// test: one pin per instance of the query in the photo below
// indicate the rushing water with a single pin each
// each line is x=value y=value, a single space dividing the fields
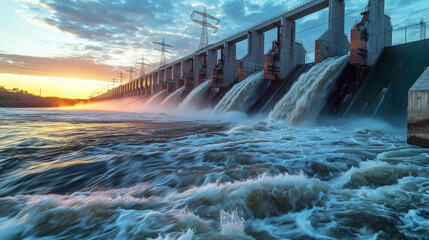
x=106 y=175
x=156 y=99
x=242 y=95
x=307 y=96
x=193 y=100
x=172 y=100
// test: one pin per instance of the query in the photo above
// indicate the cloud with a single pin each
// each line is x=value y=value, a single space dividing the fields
x=117 y=32
x=67 y=67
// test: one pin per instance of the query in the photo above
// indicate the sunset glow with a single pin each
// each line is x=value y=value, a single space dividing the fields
x=95 y=40
x=54 y=86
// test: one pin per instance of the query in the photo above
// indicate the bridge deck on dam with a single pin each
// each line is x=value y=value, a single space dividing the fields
x=297 y=12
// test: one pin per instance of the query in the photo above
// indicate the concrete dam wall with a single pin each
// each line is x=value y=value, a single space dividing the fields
x=384 y=92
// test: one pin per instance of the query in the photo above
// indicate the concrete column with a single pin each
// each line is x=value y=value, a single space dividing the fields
x=154 y=82
x=333 y=42
x=211 y=62
x=176 y=71
x=300 y=54
x=379 y=30
x=198 y=63
x=255 y=47
x=161 y=77
x=169 y=73
x=141 y=85
x=150 y=84
x=287 y=47
x=230 y=66
x=186 y=65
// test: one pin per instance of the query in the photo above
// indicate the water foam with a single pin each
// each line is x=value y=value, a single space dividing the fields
x=193 y=100
x=231 y=223
x=307 y=96
x=172 y=100
x=155 y=100
x=241 y=96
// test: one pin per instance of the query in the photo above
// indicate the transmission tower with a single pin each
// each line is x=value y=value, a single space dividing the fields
x=114 y=82
x=131 y=70
x=162 y=50
x=422 y=29
x=142 y=64
x=121 y=76
x=204 y=41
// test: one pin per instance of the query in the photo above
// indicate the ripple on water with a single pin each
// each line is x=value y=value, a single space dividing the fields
x=86 y=175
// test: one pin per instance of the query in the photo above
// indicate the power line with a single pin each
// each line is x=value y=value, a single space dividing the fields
x=131 y=71
x=162 y=50
x=176 y=39
x=121 y=76
x=205 y=24
x=142 y=64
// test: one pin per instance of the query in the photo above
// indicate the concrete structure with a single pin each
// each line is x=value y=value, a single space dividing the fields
x=371 y=35
x=333 y=42
x=379 y=30
x=418 y=112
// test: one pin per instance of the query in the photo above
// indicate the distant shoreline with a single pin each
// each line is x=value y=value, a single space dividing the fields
x=19 y=100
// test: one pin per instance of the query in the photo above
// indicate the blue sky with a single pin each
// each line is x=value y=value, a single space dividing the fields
x=101 y=37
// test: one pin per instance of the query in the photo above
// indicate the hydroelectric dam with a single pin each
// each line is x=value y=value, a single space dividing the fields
x=364 y=76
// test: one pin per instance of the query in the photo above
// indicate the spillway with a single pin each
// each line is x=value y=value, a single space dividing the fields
x=193 y=100
x=242 y=96
x=156 y=99
x=307 y=96
x=172 y=100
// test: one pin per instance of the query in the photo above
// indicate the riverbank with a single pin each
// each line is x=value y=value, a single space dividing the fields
x=19 y=100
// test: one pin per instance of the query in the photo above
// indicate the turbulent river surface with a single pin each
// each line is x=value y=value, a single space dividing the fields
x=107 y=175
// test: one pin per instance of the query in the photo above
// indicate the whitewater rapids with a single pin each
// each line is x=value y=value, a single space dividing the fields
x=194 y=99
x=306 y=98
x=242 y=95
x=173 y=100
x=106 y=175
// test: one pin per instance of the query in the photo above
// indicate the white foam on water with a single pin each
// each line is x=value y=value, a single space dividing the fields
x=172 y=100
x=231 y=223
x=241 y=96
x=155 y=100
x=307 y=96
x=193 y=100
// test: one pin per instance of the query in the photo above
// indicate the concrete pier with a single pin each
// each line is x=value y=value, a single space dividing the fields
x=333 y=42
x=255 y=53
x=230 y=66
x=379 y=30
x=418 y=112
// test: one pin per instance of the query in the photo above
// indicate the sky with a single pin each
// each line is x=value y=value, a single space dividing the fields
x=72 y=48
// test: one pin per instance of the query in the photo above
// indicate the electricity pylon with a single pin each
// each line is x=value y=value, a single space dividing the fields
x=204 y=41
x=142 y=64
x=114 y=82
x=131 y=70
x=162 y=50
x=121 y=76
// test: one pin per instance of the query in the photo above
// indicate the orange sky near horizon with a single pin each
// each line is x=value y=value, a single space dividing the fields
x=53 y=86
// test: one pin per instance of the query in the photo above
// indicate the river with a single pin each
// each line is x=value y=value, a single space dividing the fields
x=67 y=174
